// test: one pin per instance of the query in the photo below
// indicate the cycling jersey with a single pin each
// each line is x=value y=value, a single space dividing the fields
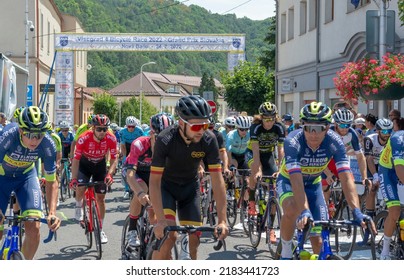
x=82 y=128
x=177 y=161
x=267 y=139
x=235 y=144
x=373 y=147
x=66 y=143
x=350 y=140
x=140 y=155
x=127 y=137
x=17 y=160
x=93 y=150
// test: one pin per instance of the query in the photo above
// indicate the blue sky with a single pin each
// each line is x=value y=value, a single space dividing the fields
x=253 y=9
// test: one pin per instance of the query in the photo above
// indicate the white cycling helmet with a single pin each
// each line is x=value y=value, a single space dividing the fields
x=63 y=125
x=230 y=121
x=343 y=116
x=384 y=124
x=113 y=126
x=131 y=121
x=243 y=122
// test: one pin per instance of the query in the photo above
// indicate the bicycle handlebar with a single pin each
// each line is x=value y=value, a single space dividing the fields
x=19 y=218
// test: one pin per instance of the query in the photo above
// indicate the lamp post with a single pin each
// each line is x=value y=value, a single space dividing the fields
x=141 y=89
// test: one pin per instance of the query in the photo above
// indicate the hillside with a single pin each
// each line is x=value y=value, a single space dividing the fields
x=158 y=16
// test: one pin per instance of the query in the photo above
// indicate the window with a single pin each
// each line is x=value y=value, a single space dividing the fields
x=303 y=17
x=173 y=89
x=283 y=28
x=291 y=23
x=328 y=11
x=312 y=14
x=41 y=31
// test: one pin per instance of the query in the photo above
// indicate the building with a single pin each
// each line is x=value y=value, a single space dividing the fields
x=314 y=39
x=163 y=90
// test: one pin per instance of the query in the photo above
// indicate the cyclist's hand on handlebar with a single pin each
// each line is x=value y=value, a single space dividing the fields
x=362 y=219
x=224 y=231
x=73 y=184
x=53 y=222
x=108 y=179
x=302 y=219
x=159 y=229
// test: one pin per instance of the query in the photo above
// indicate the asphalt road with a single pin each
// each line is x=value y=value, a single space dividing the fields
x=71 y=241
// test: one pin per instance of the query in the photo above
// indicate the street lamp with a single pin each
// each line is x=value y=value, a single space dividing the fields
x=141 y=89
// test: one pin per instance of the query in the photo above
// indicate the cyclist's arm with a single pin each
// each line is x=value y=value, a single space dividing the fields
x=400 y=172
x=123 y=148
x=371 y=164
x=349 y=189
x=256 y=154
x=155 y=195
x=72 y=146
x=281 y=154
x=299 y=195
x=362 y=165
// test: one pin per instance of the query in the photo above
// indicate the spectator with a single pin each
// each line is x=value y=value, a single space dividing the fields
x=370 y=123
x=394 y=114
x=3 y=120
x=287 y=120
x=398 y=124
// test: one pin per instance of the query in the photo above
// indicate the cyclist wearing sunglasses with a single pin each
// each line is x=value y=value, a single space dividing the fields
x=67 y=137
x=89 y=161
x=391 y=173
x=307 y=153
x=374 y=145
x=136 y=172
x=229 y=125
x=174 y=180
x=266 y=134
x=20 y=148
x=236 y=143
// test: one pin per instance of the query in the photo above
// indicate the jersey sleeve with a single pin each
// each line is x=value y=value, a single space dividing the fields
x=397 y=149
x=112 y=145
x=160 y=153
x=212 y=152
x=355 y=141
x=368 y=144
x=338 y=152
x=291 y=159
x=137 y=149
x=48 y=155
x=78 y=152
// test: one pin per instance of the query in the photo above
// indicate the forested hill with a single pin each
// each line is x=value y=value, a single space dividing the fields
x=158 y=16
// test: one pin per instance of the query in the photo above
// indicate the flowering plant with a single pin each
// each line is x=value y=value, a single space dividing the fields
x=368 y=77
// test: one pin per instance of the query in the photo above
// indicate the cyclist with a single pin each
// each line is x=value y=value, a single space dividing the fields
x=89 y=161
x=174 y=173
x=127 y=135
x=265 y=135
x=229 y=125
x=136 y=172
x=391 y=173
x=20 y=148
x=67 y=138
x=236 y=143
x=222 y=148
x=307 y=153
x=374 y=144
x=287 y=120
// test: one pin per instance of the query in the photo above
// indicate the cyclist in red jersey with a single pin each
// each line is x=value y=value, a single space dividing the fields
x=89 y=161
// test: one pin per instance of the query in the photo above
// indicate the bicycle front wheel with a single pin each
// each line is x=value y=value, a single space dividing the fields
x=254 y=229
x=63 y=185
x=273 y=224
x=97 y=229
x=17 y=256
x=86 y=224
x=231 y=209
x=124 y=241
x=345 y=237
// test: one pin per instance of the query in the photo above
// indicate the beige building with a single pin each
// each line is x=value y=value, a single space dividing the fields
x=314 y=39
x=27 y=28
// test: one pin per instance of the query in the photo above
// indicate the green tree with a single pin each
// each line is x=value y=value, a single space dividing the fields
x=208 y=84
x=247 y=87
x=401 y=11
x=105 y=104
x=131 y=107
x=267 y=58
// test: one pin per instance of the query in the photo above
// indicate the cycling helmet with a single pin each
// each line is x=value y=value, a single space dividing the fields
x=230 y=121
x=287 y=117
x=267 y=109
x=316 y=112
x=90 y=119
x=17 y=112
x=33 y=119
x=144 y=127
x=114 y=126
x=359 y=121
x=131 y=121
x=63 y=124
x=243 y=122
x=101 y=120
x=193 y=107
x=159 y=122
x=218 y=125
x=384 y=124
x=343 y=116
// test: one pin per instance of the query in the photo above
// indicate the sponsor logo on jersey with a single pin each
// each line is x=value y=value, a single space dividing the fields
x=198 y=154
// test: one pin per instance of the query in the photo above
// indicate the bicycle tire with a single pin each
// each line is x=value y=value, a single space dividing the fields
x=335 y=257
x=395 y=248
x=124 y=242
x=86 y=224
x=244 y=215
x=97 y=229
x=345 y=238
x=231 y=210
x=276 y=225
x=17 y=256
x=62 y=185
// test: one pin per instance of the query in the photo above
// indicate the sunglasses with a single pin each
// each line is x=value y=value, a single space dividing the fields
x=317 y=128
x=103 y=129
x=344 y=125
x=130 y=126
x=33 y=135
x=386 y=131
x=268 y=119
x=65 y=130
x=195 y=127
x=243 y=129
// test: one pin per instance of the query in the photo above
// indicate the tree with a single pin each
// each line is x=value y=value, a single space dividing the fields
x=208 y=84
x=131 y=107
x=267 y=58
x=248 y=87
x=401 y=11
x=105 y=104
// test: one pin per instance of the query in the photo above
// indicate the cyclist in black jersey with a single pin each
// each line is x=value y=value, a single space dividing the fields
x=174 y=182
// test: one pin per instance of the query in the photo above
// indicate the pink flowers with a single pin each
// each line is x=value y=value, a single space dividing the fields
x=368 y=77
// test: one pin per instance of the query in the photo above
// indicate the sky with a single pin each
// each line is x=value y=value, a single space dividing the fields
x=253 y=9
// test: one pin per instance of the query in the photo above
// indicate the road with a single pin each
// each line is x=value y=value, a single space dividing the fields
x=71 y=241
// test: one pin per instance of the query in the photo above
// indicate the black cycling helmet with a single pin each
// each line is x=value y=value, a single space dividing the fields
x=33 y=119
x=101 y=120
x=193 y=107
x=316 y=112
x=159 y=122
x=268 y=109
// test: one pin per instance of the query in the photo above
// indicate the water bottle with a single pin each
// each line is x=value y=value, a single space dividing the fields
x=402 y=229
x=305 y=255
x=184 y=248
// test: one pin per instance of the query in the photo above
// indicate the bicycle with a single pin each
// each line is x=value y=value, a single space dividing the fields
x=326 y=251
x=207 y=202
x=64 y=189
x=396 y=244
x=241 y=195
x=183 y=254
x=92 y=220
x=269 y=212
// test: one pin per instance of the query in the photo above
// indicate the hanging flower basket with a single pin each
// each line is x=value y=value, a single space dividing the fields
x=367 y=80
x=393 y=92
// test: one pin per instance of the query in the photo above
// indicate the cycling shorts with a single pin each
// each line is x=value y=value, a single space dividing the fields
x=389 y=186
x=96 y=170
x=268 y=163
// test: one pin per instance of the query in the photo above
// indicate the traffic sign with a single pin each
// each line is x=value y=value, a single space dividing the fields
x=212 y=105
